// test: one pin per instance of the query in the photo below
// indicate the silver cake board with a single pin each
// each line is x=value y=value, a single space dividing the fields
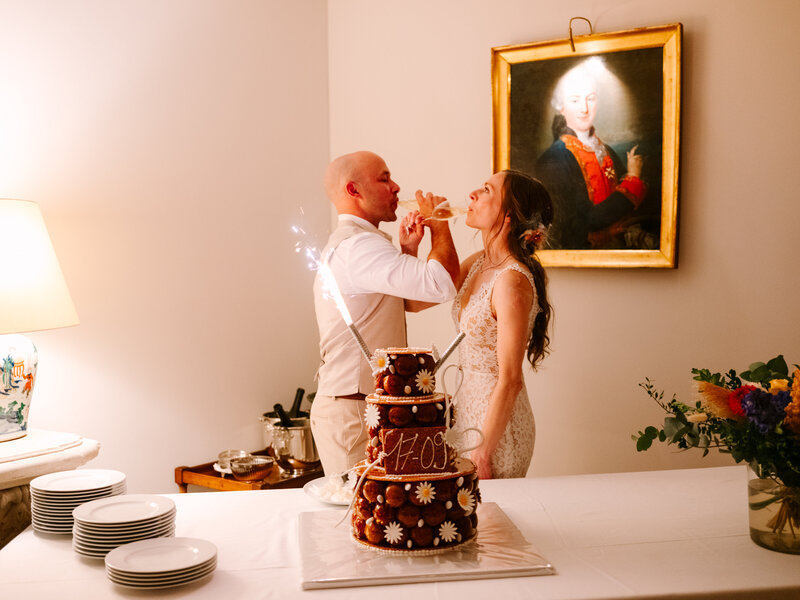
x=331 y=558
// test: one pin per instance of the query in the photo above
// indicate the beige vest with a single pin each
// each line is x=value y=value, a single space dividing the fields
x=380 y=319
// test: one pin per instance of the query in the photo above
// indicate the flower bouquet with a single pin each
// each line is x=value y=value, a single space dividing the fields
x=757 y=422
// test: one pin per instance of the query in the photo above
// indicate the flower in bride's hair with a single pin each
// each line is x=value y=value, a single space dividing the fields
x=534 y=237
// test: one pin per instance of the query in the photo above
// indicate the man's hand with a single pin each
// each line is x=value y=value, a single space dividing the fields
x=635 y=162
x=412 y=229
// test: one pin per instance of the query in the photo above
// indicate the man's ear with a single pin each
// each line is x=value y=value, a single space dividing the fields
x=351 y=188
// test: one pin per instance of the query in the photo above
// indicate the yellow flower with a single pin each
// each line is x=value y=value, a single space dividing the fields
x=796 y=385
x=792 y=421
x=778 y=385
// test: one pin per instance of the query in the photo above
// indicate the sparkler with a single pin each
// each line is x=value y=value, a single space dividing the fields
x=461 y=335
x=330 y=285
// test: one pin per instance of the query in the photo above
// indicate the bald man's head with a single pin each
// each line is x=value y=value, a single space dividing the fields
x=360 y=184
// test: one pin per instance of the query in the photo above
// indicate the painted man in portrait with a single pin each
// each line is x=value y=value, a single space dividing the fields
x=595 y=194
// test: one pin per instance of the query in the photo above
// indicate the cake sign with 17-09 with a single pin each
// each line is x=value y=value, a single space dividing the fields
x=415 y=450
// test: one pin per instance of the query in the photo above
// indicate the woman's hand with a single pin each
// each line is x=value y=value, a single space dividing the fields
x=635 y=163
x=483 y=461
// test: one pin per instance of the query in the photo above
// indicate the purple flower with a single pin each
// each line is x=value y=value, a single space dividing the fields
x=765 y=410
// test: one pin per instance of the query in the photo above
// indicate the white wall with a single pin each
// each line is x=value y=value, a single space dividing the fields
x=412 y=81
x=170 y=146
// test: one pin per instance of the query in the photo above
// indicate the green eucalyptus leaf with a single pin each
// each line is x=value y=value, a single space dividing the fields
x=671 y=426
x=643 y=443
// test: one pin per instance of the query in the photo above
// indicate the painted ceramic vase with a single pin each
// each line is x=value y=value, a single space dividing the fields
x=18 y=363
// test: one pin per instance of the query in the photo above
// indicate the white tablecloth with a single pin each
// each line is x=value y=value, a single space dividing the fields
x=676 y=534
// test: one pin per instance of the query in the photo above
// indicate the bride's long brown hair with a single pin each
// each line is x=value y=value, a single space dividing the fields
x=529 y=208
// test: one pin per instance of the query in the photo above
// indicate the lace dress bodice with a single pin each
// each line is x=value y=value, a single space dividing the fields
x=478 y=351
x=478 y=359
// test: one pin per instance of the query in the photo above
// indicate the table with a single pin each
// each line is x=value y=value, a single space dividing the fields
x=660 y=534
x=206 y=476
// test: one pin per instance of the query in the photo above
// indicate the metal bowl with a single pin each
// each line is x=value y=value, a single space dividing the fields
x=252 y=468
x=225 y=457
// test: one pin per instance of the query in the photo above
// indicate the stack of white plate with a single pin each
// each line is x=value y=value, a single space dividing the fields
x=102 y=525
x=54 y=496
x=161 y=563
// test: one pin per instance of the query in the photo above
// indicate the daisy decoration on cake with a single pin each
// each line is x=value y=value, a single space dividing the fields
x=425 y=381
x=448 y=531
x=466 y=500
x=393 y=532
x=378 y=362
x=425 y=492
x=372 y=416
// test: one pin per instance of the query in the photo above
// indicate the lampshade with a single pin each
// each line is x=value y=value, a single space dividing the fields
x=33 y=293
x=33 y=296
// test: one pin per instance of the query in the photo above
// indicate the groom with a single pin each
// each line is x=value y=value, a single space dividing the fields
x=379 y=283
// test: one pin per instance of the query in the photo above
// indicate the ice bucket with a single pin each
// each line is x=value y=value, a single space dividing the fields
x=301 y=443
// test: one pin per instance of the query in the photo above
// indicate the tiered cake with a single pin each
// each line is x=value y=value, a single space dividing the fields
x=419 y=496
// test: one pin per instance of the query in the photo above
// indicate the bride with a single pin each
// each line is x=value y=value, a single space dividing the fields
x=502 y=308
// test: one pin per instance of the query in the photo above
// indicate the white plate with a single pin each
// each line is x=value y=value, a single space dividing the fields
x=315 y=489
x=66 y=530
x=160 y=555
x=161 y=577
x=105 y=548
x=111 y=528
x=66 y=498
x=123 y=538
x=77 y=480
x=47 y=519
x=161 y=586
x=168 y=530
x=127 y=508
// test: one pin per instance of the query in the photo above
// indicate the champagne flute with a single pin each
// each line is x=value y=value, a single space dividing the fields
x=441 y=212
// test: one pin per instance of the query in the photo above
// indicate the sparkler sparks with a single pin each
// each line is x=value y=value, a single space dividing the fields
x=329 y=285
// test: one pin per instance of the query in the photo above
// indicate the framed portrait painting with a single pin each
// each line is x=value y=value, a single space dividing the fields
x=599 y=126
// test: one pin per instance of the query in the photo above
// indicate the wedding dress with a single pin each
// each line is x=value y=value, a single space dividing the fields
x=478 y=359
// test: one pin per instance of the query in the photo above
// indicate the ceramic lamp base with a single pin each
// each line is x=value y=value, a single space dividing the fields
x=18 y=363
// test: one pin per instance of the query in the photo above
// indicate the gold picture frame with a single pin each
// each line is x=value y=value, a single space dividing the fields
x=638 y=73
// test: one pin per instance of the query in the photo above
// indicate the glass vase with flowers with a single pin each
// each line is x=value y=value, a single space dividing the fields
x=755 y=417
